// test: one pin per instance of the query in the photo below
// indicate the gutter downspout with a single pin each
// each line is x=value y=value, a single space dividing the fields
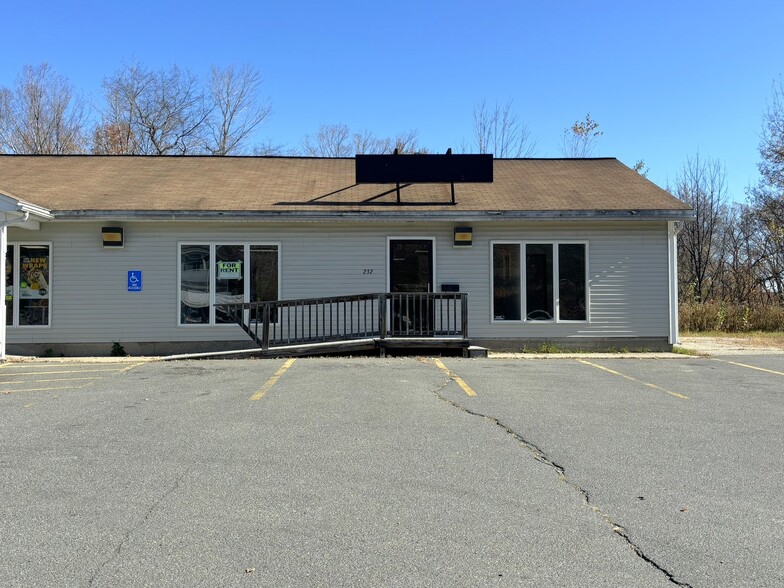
x=673 y=228
x=3 y=250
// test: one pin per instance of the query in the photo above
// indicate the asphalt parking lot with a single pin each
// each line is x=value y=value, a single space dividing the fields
x=393 y=472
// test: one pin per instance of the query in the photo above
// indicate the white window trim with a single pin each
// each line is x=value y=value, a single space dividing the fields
x=556 y=277
x=556 y=282
x=15 y=278
x=180 y=245
x=521 y=270
x=246 y=292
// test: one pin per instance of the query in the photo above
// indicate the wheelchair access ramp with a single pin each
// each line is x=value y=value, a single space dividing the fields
x=343 y=324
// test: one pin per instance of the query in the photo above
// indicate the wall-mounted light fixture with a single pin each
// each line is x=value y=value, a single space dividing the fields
x=463 y=236
x=112 y=236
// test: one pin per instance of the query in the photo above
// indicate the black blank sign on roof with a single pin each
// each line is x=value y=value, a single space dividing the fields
x=423 y=169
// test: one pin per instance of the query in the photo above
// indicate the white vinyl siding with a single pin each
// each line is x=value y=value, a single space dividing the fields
x=627 y=274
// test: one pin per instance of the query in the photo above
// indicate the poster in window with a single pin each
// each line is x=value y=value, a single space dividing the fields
x=34 y=276
x=9 y=285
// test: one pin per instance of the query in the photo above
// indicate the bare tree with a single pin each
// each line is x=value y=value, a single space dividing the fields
x=330 y=141
x=338 y=140
x=119 y=132
x=236 y=108
x=641 y=168
x=408 y=142
x=268 y=148
x=580 y=139
x=753 y=262
x=154 y=113
x=41 y=114
x=499 y=131
x=769 y=193
x=113 y=139
x=701 y=184
x=767 y=196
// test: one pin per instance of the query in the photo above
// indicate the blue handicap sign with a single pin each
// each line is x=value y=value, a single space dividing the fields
x=134 y=280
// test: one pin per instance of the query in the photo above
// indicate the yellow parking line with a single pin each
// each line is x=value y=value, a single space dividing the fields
x=453 y=376
x=271 y=382
x=45 y=389
x=75 y=371
x=648 y=384
x=135 y=365
x=51 y=380
x=53 y=364
x=751 y=367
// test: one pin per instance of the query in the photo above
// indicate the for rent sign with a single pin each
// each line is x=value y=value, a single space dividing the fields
x=229 y=270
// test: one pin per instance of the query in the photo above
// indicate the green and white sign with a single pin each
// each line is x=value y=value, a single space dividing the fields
x=229 y=270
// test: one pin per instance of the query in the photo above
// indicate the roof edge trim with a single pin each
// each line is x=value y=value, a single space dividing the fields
x=8 y=201
x=375 y=216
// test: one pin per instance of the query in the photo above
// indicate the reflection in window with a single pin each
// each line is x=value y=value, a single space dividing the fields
x=571 y=282
x=264 y=275
x=225 y=274
x=539 y=282
x=195 y=284
x=229 y=278
x=506 y=282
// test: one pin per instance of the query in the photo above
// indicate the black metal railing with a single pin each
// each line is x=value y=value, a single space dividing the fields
x=277 y=323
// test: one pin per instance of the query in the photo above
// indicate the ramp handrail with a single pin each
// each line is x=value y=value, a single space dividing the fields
x=381 y=315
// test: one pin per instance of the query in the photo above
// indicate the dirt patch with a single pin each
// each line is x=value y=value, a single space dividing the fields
x=732 y=345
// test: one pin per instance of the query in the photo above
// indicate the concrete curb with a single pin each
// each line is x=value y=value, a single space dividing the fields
x=643 y=355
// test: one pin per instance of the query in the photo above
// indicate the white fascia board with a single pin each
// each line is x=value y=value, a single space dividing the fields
x=10 y=203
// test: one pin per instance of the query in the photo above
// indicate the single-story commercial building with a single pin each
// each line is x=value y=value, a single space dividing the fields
x=159 y=254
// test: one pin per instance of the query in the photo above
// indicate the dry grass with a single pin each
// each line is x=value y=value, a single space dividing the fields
x=722 y=318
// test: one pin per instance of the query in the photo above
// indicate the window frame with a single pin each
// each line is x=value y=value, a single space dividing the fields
x=246 y=245
x=523 y=244
x=521 y=271
x=15 y=280
x=557 y=279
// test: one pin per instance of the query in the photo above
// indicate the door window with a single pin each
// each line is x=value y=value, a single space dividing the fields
x=411 y=266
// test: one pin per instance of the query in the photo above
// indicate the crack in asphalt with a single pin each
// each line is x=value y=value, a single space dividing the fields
x=540 y=456
x=127 y=535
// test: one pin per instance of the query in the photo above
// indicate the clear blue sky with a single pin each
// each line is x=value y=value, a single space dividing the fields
x=664 y=79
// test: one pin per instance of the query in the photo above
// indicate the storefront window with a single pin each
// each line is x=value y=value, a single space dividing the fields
x=28 y=285
x=9 y=285
x=195 y=284
x=571 y=282
x=506 y=282
x=214 y=274
x=229 y=278
x=264 y=275
x=539 y=282
x=554 y=277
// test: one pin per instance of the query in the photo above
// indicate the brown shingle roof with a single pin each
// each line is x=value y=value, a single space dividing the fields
x=285 y=184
